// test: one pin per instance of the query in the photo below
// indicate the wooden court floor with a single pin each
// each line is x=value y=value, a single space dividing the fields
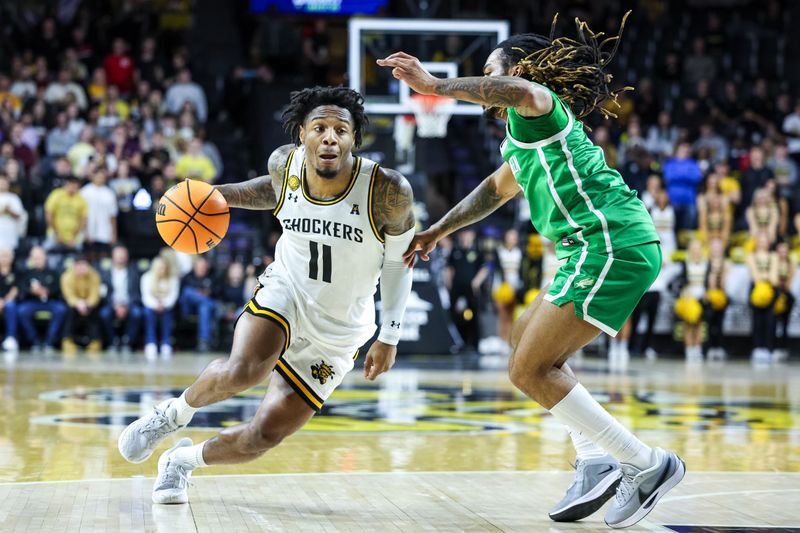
x=422 y=450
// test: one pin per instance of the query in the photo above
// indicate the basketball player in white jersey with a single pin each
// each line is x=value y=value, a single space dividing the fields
x=346 y=223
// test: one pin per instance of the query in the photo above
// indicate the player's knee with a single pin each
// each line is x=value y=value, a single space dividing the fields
x=523 y=373
x=268 y=436
x=243 y=375
x=515 y=373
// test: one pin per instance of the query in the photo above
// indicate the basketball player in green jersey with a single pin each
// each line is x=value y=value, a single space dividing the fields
x=542 y=87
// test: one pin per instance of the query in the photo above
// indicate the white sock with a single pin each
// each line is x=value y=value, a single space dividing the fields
x=584 y=448
x=623 y=344
x=183 y=411
x=581 y=413
x=190 y=456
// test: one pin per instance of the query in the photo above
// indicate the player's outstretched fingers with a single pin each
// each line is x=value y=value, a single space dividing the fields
x=369 y=366
x=409 y=256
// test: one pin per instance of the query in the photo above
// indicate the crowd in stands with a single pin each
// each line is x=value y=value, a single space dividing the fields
x=93 y=130
x=712 y=148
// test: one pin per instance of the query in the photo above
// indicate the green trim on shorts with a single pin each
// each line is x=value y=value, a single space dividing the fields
x=605 y=289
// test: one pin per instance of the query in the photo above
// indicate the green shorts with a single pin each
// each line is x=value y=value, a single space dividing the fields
x=606 y=289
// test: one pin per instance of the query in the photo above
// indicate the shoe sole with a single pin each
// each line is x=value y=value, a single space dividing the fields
x=591 y=502
x=651 y=502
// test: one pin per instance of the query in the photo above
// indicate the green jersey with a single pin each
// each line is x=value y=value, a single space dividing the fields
x=575 y=198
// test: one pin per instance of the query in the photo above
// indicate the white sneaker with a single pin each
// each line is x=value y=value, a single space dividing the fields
x=10 y=344
x=761 y=357
x=640 y=490
x=172 y=483
x=166 y=351
x=139 y=439
x=717 y=354
x=613 y=356
x=651 y=354
x=623 y=357
x=150 y=351
x=691 y=355
x=780 y=356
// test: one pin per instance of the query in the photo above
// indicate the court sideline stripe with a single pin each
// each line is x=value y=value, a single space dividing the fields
x=422 y=473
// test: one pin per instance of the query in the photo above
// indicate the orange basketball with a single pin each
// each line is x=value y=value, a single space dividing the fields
x=192 y=217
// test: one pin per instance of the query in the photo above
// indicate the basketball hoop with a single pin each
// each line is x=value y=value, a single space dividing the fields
x=432 y=113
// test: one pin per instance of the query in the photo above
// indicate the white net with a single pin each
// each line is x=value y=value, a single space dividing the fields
x=432 y=113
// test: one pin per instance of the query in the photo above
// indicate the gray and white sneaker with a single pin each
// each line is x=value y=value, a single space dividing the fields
x=595 y=482
x=172 y=483
x=138 y=441
x=639 y=490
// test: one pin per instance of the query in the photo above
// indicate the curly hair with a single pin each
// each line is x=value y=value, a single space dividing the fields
x=301 y=103
x=573 y=69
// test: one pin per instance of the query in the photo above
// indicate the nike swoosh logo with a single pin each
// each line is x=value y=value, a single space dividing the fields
x=607 y=470
x=651 y=497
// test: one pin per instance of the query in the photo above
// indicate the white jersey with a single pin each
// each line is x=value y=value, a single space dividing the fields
x=510 y=261
x=696 y=277
x=664 y=221
x=330 y=250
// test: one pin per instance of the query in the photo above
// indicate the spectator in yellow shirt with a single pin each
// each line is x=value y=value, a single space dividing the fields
x=66 y=212
x=80 y=288
x=195 y=164
x=112 y=100
x=7 y=98
x=728 y=185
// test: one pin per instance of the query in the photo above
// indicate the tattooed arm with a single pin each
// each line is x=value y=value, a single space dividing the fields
x=529 y=99
x=494 y=191
x=393 y=203
x=526 y=98
x=261 y=192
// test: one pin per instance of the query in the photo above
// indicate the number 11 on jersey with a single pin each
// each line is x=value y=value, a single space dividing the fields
x=313 y=263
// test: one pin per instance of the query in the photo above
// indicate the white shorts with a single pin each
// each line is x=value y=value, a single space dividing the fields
x=319 y=350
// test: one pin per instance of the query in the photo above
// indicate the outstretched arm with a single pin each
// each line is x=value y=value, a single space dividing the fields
x=527 y=98
x=494 y=191
x=394 y=217
x=261 y=192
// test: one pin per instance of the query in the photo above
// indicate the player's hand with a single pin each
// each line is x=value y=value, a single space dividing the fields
x=380 y=358
x=423 y=242
x=407 y=68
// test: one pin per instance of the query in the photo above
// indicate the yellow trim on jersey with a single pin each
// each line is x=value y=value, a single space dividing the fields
x=252 y=308
x=356 y=354
x=285 y=181
x=369 y=201
x=299 y=386
x=356 y=170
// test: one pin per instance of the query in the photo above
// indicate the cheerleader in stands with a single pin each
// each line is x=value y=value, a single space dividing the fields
x=716 y=299
x=688 y=306
x=786 y=267
x=762 y=264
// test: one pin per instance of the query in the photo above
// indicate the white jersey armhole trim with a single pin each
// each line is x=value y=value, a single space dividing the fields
x=544 y=142
x=372 y=225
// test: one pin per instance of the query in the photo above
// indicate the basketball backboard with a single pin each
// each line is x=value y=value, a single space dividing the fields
x=447 y=48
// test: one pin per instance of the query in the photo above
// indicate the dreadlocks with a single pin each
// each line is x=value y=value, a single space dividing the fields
x=301 y=103
x=573 y=69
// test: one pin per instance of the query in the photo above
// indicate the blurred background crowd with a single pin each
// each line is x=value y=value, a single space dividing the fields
x=100 y=115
